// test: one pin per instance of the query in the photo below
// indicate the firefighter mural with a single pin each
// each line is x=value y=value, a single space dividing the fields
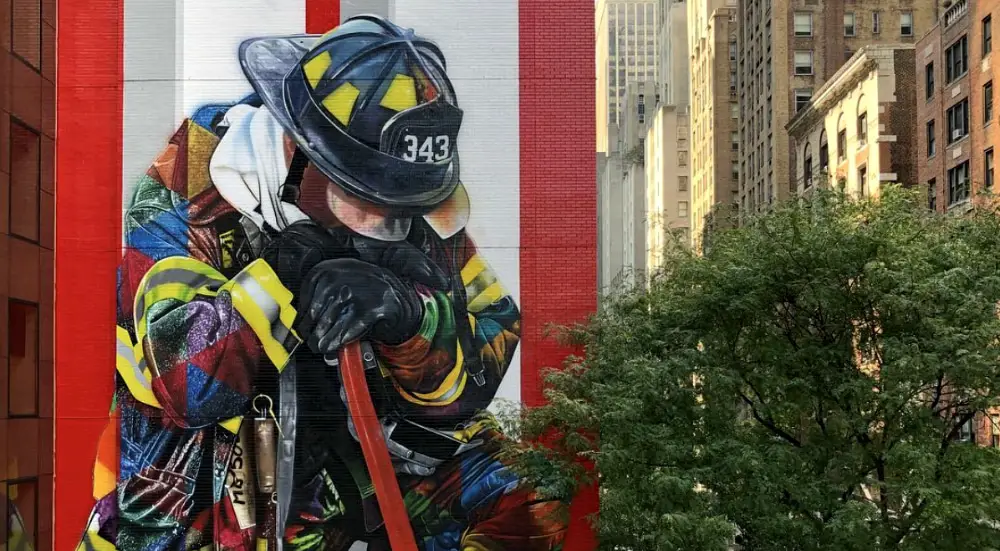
x=325 y=210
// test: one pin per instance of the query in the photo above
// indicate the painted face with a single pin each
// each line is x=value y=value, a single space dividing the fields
x=332 y=206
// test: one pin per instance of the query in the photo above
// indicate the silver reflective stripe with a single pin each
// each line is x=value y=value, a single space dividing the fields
x=174 y=275
x=287 y=413
x=270 y=308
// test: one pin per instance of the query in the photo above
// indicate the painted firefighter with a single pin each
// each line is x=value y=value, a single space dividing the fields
x=324 y=209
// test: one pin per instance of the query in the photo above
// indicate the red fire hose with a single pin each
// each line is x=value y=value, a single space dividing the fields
x=369 y=429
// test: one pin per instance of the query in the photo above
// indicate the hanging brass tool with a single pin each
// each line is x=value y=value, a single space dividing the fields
x=265 y=432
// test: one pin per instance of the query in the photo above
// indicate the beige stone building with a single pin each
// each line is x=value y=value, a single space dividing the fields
x=714 y=137
x=628 y=44
x=858 y=131
x=787 y=49
x=668 y=195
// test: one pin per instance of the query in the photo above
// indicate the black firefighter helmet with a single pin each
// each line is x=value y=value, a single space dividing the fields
x=369 y=104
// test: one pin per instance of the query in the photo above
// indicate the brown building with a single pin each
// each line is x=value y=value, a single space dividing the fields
x=27 y=129
x=714 y=136
x=787 y=49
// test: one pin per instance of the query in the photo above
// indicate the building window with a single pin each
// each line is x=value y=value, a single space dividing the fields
x=929 y=80
x=876 y=22
x=849 y=27
x=987 y=35
x=824 y=153
x=966 y=433
x=734 y=138
x=988 y=102
x=802 y=99
x=862 y=129
x=988 y=168
x=906 y=23
x=842 y=145
x=956 y=59
x=932 y=194
x=863 y=181
x=958 y=184
x=25 y=180
x=931 y=139
x=803 y=62
x=22 y=514
x=995 y=430
x=22 y=377
x=807 y=167
x=26 y=35
x=682 y=158
x=958 y=121
x=682 y=209
x=803 y=24
x=682 y=183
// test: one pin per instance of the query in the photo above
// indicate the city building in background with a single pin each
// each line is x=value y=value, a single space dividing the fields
x=955 y=107
x=668 y=176
x=674 y=64
x=628 y=50
x=858 y=130
x=27 y=185
x=714 y=137
x=610 y=232
x=787 y=49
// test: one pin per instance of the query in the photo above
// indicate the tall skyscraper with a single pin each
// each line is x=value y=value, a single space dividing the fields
x=786 y=50
x=627 y=47
x=674 y=67
x=714 y=139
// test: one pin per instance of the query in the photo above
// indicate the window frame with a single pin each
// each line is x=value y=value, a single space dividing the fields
x=954 y=189
x=36 y=412
x=862 y=181
x=962 y=45
x=932 y=194
x=989 y=168
x=795 y=63
x=41 y=37
x=842 y=145
x=862 y=128
x=876 y=22
x=930 y=81
x=930 y=127
x=804 y=94
x=854 y=24
x=988 y=103
x=986 y=31
x=902 y=27
x=795 y=29
x=16 y=122
x=952 y=125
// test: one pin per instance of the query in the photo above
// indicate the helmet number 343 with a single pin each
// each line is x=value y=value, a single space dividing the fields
x=428 y=150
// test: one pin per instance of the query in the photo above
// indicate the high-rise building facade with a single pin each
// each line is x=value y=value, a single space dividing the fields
x=786 y=50
x=714 y=136
x=668 y=177
x=674 y=84
x=627 y=42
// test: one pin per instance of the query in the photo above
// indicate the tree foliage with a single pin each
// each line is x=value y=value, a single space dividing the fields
x=803 y=385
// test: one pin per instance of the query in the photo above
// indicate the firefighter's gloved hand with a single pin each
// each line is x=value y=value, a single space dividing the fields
x=345 y=300
x=403 y=259
x=297 y=249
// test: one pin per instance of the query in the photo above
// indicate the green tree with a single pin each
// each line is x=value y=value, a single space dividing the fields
x=805 y=384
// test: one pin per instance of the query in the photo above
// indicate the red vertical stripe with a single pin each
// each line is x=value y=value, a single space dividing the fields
x=322 y=15
x=558 y=194
x=88 y=229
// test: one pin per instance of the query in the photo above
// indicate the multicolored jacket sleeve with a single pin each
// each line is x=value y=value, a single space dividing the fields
x=193 y=339
x=430 y=369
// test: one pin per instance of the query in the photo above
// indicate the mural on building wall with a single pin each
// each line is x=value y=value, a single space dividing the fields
x=271 y=235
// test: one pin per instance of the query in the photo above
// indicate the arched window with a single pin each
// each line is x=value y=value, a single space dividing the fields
x=824 y=153
x=841 y=139
x=807 y=166
x=862 y=122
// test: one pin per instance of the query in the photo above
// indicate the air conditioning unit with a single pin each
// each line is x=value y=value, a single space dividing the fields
x=956 y=134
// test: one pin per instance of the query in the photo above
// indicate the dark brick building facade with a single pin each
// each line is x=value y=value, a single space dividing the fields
x=27 y=191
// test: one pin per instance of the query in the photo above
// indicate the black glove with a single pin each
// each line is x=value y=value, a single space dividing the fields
x=403 y=259
x=299 y=248
x=346 y=299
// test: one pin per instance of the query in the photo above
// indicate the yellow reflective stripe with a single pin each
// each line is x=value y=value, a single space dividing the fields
x=127 y=362
x=472 y=268
x=261 y=544
x=232 y=425
x=340 y=102
x=263 y=311
x=447 y=393
x=178 y=278
x=401 y=95
x=492 y=294
x=92 y=541
x=316 y=67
